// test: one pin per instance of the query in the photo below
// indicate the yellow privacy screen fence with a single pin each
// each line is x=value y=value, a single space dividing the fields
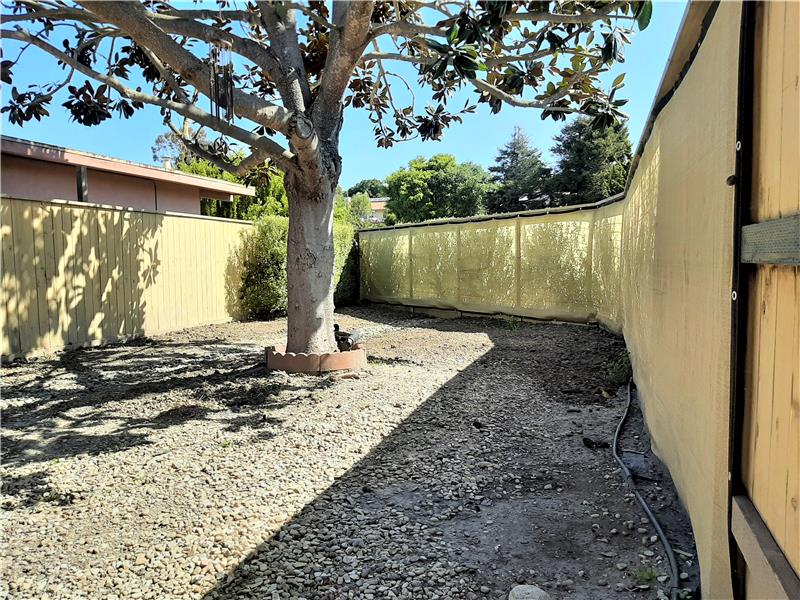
x=563 y=266
x=656 y=266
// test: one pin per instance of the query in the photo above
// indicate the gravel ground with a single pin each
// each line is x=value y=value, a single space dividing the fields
x=454 y=466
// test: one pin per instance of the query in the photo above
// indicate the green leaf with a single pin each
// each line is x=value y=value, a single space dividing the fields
x=451 y=37
x=618 y=81
x=645 y=14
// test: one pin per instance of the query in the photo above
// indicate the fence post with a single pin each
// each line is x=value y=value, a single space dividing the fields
x=458 y=266
x=410 y=263
x=589 y=280
x=518 y=264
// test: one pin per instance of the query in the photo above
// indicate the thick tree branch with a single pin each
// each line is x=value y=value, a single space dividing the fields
x=310 y=13
x=261 y=56
x=255 y=159
x=291 y=78
x=243 y=16
x=276 y=152
x=349 y=37
x=132 y=19
x=60 y=14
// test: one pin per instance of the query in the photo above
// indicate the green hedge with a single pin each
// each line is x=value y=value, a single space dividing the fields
x=262 y=292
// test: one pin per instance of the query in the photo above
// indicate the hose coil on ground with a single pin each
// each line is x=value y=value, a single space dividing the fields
x=673 y=564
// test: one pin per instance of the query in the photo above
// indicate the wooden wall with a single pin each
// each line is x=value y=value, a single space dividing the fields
x=772 y=393
x=76 y=274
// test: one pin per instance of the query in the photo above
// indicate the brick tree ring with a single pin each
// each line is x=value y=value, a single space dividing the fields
x=280 y=360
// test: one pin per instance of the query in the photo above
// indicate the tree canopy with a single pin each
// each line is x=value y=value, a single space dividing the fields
x=373 y=188
x=434 y=188
x=591 y=163
x=528 y=54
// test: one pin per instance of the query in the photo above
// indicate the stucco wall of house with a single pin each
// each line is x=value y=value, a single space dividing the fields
x=175 y=197
x=36 y=179
x=41 y=180
x=121 y=190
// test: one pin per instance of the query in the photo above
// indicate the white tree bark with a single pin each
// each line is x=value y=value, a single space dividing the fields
x=310 y=264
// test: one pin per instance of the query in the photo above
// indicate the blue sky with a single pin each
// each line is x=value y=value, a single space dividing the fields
x=477 y=139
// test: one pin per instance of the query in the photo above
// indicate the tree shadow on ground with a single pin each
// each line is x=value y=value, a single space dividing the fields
x=52 y=404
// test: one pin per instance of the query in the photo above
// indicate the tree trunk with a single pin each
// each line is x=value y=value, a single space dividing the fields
x=310 y=261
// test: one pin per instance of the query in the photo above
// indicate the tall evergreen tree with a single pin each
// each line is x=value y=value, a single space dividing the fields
x=592 y=163
x=521 y=176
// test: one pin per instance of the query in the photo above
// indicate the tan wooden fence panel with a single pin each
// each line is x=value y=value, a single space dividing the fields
x=75 y=274
x=772 y=390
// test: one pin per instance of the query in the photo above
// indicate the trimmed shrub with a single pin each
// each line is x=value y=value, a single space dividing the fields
x=262 y=293
x=263 y=289
x=346 y=291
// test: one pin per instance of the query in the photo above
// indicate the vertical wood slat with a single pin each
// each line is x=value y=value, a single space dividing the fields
x=11 y=341
x=27 y=305
x=69 y=244
x=122 y=275
x=40 y=216
x=59 y=296
x=105 y=278
x=127 y=274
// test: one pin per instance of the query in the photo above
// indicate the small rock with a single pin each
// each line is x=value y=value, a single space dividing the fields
x=528 y=592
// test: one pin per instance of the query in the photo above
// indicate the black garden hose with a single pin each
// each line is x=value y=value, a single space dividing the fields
x=673 y=564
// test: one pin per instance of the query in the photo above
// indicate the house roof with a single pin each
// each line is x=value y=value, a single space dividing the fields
x=67 y=156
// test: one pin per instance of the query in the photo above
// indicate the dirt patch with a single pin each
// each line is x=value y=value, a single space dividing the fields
x=454 y=466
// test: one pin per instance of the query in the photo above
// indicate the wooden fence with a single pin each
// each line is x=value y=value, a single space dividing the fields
x=772 y=375
x=77 y=274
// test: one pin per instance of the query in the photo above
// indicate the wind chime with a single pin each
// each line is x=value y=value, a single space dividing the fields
x=221 y=61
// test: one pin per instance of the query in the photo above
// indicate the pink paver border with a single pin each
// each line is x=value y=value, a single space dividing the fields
x=280 y=360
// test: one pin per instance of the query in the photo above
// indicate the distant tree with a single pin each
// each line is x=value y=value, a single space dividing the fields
x=373 y=188
x=521 y=176
x=592 y=163
x=360 y=208
x=353 y=211
x=435 y=188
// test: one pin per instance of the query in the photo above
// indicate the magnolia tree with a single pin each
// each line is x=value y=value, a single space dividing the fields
x=273 y=78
